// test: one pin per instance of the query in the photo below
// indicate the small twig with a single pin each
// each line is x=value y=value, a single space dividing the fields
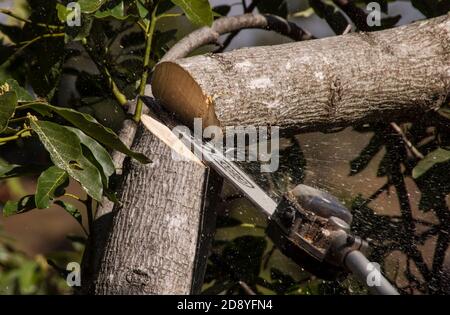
x=25 y=44
x=347 y=30
x=73 y=196
x=13 y=15
x=16 y=120
x=20 y=134
x=246 y=288
x=120 y=97
x=406 y=141
x=150 y=30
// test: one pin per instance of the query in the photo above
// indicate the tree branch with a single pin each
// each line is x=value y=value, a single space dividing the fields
x=229 y=39
x=408 y=143
x=209 y=35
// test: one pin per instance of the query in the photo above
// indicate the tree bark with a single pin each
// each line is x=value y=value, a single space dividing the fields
x=152 y=243
x=316 y=84
x=155 y=240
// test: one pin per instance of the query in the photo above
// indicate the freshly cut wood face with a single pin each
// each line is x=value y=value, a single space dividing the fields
x=181 y=94
x=395 y=74
x=169 y=138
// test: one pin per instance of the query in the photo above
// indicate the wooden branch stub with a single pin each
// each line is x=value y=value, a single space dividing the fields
x=316 y=84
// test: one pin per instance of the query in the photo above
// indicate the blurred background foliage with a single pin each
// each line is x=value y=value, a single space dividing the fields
x=393 y=177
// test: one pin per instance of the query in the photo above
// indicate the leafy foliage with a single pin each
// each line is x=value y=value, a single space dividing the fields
x=48 y=183
x=30 y=108
x=71 y=136
x=21 y=274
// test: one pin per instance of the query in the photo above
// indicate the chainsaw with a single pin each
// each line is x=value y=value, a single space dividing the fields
x=308 y=225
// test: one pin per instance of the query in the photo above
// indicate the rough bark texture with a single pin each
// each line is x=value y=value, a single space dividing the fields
x=316 y=84
x=152 y=253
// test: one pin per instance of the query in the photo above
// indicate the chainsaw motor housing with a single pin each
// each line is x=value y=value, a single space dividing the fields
x=313 y=228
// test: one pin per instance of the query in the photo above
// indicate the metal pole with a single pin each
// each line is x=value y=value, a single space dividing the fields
x=358 y=264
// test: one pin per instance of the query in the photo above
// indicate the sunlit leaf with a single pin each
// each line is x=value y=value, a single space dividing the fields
x=62 y=12
x=22 y=94
x=90 y=6
x=143 y=12
x=100 y=154
x=5 y=167
x=92 y=128
x=437 y=156
x=304 y=13
x=66 y=153
x=49 y=181
x=117 y=12
x=198 y=12
x=15 y=207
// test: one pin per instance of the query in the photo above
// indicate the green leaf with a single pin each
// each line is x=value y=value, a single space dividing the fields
x=71 y=209
x=27 y=277
x=22 y=94
x=100 y=154
x=143 y=12
x=437 y=156
x=92 y=128
x=49 y=181
x=117 y=12
x=198 y=12
x=62 y=12
x=8 y=103
x=66 y=153
x=90 y=6
x=5 y=167
x=304 y=13
x=15 y=207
